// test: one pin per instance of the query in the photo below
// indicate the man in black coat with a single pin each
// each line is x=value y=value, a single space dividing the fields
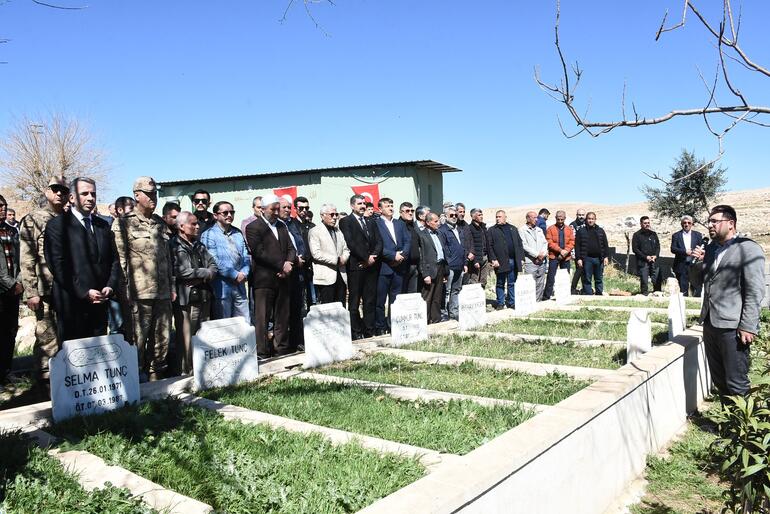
x=682 y=245
x=80 y=252
x=365 y=244
x=411 y=279
x=646 y=247
x=433 y=266
x=506 y=252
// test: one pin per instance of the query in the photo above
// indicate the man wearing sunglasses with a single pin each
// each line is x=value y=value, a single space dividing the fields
x=228 y=247
x=36 y=277
x=330 y=254
x=411 y=279
x=682 y=245
x=201 y=200
x=145 y=258
x=733 y=288
x=302 y=221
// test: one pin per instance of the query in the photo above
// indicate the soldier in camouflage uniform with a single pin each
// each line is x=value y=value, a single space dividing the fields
x=36 y=277
x=145 y=258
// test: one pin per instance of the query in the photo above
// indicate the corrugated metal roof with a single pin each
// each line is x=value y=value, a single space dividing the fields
x=427 y=164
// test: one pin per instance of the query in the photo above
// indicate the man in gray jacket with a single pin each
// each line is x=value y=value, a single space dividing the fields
x=733 y=282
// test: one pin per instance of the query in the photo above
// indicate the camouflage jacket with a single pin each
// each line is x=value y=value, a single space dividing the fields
x=145 y=256
x=35 y=275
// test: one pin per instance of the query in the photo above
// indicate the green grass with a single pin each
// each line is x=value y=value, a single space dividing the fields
x=454 y=427
x=586 y=330
x=467 y=378
x=616 y=279
x=607 y=357
x=236 y=467
x=588 y=313
x=17 y=352
x=648 y=303
x=32 y=481
x=686 y=480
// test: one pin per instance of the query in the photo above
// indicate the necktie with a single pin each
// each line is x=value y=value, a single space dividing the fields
x=87 y=223
x=363 y=226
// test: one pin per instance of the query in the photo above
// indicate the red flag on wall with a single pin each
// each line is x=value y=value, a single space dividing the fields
x=289 y=193
x=371 y=192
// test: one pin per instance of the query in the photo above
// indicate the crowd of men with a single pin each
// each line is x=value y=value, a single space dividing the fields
x=151 y=276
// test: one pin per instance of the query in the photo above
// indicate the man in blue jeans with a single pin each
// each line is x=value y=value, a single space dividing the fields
x=506 y=253
x=592 y=254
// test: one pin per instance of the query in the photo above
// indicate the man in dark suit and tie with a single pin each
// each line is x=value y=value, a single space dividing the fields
x=433 y=266
x=396 y=244
x=80 y=252
x=272 y=257
x=365 y=244
x=682 y=245
x=733 y=286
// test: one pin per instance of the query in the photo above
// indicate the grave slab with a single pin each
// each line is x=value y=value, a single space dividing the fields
x=526 y=301
x=327 y=335
x=563 y=287
x=408 y=319
x=473 y=307
x=224 y=353
x=93 y=375
x=638 y=334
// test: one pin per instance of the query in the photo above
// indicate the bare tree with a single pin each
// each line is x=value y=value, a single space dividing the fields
x=737 y=109
x=308 y=11
x=33 y=151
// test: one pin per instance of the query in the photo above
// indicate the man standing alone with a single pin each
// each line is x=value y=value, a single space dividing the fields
x=646 y=247
x=733 y=282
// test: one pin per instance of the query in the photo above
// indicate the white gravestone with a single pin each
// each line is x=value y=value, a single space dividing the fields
x=473 y=307
x=526 y=300
x=408 y=319
x=672 y=286
x=677 y=320
x=638 y=334
x=93 y=375
x=327 y=335
x=224 y=353
x=563 y=287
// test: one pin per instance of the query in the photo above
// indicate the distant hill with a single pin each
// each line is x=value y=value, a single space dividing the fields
x=752 y=206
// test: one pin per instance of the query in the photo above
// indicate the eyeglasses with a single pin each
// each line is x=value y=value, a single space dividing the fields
x=227 y=213
x=200 y=200
x=451 y=215
x=687 y=223
x=712 y=221
x=303 y=207
x=333 y=214
x=59 y=189
x=407 y=210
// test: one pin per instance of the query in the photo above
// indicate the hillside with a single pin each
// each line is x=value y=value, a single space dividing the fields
x=753 y=207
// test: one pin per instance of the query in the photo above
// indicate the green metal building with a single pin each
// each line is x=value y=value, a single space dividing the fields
x=419 y=182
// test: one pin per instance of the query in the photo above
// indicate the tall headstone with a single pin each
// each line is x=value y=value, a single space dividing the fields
x=526 y=300
x=473 y=307
x=677 y=317
x=224 y=353
x=638 y=334
x=563 y=287
x=93 y=375
x=672 y=286
x=408 y=319
x=327 y=335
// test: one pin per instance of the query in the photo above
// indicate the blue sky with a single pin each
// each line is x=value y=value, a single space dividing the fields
x=185 y=89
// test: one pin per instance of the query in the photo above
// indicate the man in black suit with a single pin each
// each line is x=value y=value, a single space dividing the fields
x=80 y=252
x=682 y=245
x=365 y=244
x=433 y=266
x=272 y=262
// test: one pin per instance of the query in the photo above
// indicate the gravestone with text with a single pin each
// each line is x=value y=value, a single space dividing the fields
x=327 y=335
x=408 y=319
x=224 y=353
x=525 y=295
x=473 y=307
x=562 y=287
x=93 y=375
x=677 y=317
x=638 y=334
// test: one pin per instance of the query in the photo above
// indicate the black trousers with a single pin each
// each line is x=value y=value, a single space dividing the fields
x=296 y=305
x=411 y=281
x=83 y=319
x=728 y=360
x=648 y=271
x=362 y=289
x=433 y=294
x=332 y=293
x=273 y=302
x=9 y=325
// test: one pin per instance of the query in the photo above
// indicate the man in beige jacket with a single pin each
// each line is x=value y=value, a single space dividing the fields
x=330 y=254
